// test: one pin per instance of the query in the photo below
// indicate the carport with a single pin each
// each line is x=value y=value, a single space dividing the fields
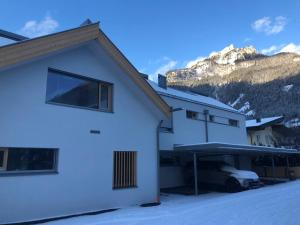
x=218 y=149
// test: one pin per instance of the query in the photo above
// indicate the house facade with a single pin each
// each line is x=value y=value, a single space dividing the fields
x=71 y=118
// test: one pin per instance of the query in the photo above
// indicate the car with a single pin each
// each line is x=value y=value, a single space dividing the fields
x=224 y=175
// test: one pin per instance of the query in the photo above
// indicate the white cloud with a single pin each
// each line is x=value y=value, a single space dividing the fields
x=167 y=66
x=269 y=50
x=291 y=47
x=268 y=26
x=274 y=49
x=189 y=64
x=35 y=28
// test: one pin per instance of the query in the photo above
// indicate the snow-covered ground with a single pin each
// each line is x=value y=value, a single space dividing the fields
x=278 y=204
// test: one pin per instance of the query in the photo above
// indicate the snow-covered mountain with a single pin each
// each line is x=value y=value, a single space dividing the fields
x=217 y=63
x=255 y=84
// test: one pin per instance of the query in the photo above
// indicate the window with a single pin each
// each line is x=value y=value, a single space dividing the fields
x=124 y=169
x=66 y=89
x=233 y=123
x=3 y=159
x=211 y=118
x=191 y=114
x=28 y=159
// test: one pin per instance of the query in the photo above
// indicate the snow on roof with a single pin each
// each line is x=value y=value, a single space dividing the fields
x=263 y=121
x=190 y=97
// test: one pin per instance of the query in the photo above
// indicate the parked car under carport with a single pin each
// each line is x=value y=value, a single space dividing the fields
x=192 y=153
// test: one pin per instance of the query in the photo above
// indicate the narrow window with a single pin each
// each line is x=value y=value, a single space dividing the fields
x=234 y=123
x=124 y=175
x=211 y=118
x=28 y=159
x=191 y=114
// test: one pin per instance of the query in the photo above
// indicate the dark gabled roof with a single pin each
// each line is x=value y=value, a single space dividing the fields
x=26 y=50
x=264 y=122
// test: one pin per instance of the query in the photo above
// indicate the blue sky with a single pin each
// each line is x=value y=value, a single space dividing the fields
x=158 y=35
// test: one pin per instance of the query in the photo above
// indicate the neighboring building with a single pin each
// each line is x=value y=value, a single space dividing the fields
x=260 y=131
x=78 y=127
x=273 y=132
x=196 y=119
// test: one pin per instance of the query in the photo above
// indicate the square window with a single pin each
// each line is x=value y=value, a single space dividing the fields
x=234 y=123
x=192 y=115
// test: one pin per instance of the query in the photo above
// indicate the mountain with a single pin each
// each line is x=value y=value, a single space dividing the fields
x=255 y=84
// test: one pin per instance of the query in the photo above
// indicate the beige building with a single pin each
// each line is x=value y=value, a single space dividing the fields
x=260 y=131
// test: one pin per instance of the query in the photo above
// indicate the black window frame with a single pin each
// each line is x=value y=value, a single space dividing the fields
x=99 y=82
x=54 y=169
x=233 y=122
x=192 y=112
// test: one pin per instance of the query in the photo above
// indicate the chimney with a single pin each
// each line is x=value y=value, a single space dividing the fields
x=258 y=120
x=86 y=22
x=162 y=81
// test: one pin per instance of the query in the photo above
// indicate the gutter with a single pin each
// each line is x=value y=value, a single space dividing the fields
x=206 y=124
x=158 y=159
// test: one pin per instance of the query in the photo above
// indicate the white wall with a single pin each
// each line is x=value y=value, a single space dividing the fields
x=84 y=181
x=188 y=131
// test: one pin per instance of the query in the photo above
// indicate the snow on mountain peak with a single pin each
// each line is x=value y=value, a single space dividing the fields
x=228 y=55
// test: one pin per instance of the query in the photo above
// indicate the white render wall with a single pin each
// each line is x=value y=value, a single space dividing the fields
x=85 y=165
x=188 y=131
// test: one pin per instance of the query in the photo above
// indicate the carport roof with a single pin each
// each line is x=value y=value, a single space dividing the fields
x=215 y=148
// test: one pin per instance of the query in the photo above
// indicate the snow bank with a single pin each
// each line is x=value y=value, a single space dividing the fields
x=278 y=204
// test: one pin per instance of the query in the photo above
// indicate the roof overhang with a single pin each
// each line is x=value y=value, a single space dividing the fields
x=214 y=148
x=33 y=48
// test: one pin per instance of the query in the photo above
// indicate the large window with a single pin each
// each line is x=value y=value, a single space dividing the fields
x=68 y=89
x=27 y=159
x=124 y=175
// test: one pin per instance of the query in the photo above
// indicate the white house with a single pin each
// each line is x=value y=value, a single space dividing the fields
x=82 y=131
x=78 y=127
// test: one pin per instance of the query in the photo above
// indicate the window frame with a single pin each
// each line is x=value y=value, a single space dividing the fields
x=77 y=76
x=30 y=172
x=233 y=120
x=5 y=157
x=191 y=111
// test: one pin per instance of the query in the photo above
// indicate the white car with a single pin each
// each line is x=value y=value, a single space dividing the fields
x=222 y=174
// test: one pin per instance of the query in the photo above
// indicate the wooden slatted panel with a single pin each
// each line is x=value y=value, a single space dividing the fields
x=124 y=169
